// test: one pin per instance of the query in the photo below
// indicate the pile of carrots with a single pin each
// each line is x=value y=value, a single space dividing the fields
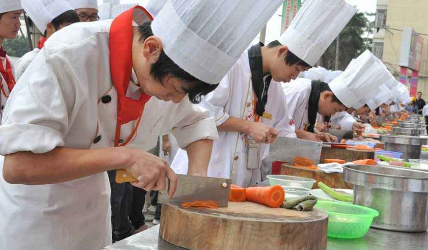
x=334 y=161
x=369 y=162
x=272 y=196
x=364 y=147
x=304 y=162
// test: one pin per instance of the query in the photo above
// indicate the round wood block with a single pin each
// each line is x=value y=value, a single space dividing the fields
x=243 y=225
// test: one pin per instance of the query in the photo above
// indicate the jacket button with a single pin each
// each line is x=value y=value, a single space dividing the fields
x=236 y=158
x=97 y=139
x=106 y=99
x=248 y=104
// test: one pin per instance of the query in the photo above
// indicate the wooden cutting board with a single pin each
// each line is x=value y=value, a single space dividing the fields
x=345 y=154
x=243 y=225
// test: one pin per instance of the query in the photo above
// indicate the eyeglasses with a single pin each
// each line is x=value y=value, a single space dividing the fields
x=84 y=17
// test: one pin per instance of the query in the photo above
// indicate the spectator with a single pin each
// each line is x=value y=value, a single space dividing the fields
x=412 y=108
x=420 y=103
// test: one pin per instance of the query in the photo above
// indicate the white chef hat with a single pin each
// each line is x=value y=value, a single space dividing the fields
x=119 y=9
x=315 y=74
x=361 y=81
x=79 y=4
x=104 y=11
x=385 y=96
x=43 y=12
x=154 y=6
x=332 y=75
x=391 y=83
x=10 y=5
x=206 y=38
x=315 y=27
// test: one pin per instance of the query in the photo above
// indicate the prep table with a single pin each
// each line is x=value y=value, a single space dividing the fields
x=374 y=239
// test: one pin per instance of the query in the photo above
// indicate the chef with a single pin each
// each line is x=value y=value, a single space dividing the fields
x=306 y=98
x=87 y=10
x=49 y=18
x=250 y=110
x=10 y=11
x=97 y=85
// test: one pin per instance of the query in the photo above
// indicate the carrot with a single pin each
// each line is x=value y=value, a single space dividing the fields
x=365 y=162
x=364 y=147
x=302 y=162
x=200 y=204
x=334 y=161
x=343 y=141
x=237 y=194
x=272 y=196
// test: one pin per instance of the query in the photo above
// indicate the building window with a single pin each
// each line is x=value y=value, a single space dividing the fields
x=378 y=49
x=380 y=18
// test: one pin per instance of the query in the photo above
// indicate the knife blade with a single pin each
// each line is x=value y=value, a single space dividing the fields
x=196 y=188
x=285 y=149
x=342 y=134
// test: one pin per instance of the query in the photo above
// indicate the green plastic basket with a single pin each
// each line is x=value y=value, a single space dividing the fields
x=347 y=221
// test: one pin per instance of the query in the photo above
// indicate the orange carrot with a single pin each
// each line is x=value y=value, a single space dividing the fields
x=343 y=141
x=237 y=194
x=302 y=162
x=364 y=147
x=272 y=196
x=200 y=204
x=370 y=162
x=334 y=161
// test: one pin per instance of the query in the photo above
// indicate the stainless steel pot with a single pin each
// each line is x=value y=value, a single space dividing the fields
x=409 y=131
x=399 y=195
x=410 y=125
x=410 y=146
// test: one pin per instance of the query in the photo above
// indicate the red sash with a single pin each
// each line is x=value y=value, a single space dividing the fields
x=7 y=74
x=120 y=44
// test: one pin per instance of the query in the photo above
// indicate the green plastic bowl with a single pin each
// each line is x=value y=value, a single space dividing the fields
x=290 y=181
x=347 y=221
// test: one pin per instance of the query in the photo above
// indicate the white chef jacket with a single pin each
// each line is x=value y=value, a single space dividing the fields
x=297 y=94
x=24 y=62
x=3 y=98
x=395 y=108
x=66 y=98
x=234 y=98
x=344 y=120
x=425 y=110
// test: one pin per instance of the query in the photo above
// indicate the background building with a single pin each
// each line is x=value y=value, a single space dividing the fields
x=392 y=17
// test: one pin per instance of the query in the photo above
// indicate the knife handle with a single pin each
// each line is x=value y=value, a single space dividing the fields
x=123 y=176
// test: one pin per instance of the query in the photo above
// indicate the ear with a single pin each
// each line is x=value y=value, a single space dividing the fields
x=328 y=95
x=281 y=51
x=50 y=27
x=152 y=49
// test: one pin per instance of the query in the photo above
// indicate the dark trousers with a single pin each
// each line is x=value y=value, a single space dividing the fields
x=127 y=204
x=154 y=202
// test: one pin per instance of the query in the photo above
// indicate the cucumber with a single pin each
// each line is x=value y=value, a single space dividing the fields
x=336 y=195
x=388 y=159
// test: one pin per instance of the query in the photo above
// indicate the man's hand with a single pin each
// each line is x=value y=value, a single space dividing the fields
x=327 y=137
x=166 y=145
x=150 y=171
x=262 y=133
x=358 y=126
x=301 y=134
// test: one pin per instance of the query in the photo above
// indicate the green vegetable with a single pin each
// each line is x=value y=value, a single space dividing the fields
x=336 y=195
x=388 y=159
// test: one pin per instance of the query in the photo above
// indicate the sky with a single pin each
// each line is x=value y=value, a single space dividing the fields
x=274 y=25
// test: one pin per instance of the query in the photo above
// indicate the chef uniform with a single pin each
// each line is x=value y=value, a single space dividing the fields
x=84 y=4
x=69 y=98
x=233 y=156
x=41 y=13
x=360 y=90
x=7 y=78
x=384 y=97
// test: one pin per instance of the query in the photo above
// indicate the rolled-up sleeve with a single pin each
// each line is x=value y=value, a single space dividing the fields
x=37 y=113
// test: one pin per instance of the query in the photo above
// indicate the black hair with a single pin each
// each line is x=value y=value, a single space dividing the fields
x=1 y=14
x=290 y=58
x=69 y=16
x=165 y=66
x=419 y=92
x=325 y=87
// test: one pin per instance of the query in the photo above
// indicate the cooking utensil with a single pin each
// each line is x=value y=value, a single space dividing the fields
x=197 y=188
x=285 y=149
x=399 y=194
x=410 y=146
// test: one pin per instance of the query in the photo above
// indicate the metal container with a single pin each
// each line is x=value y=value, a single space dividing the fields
x=410 y=146
x=400 y=195
x=408 y=131
x=410 y=125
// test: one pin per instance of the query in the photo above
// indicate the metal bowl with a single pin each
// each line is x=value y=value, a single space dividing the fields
x=400 y=195
x=410 y=146
x=417 y=131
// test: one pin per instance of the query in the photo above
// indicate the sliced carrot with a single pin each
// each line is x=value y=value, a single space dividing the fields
x=237 y=194
x=200 y=204
x=364 y=147
x=302 y=162
x=343 y=141
x=370 y=162
x=334 y=161
x=272 y=196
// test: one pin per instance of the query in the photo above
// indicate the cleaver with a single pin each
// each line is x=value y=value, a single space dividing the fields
x=285 y=149
x=342 y=134
x=197 y=188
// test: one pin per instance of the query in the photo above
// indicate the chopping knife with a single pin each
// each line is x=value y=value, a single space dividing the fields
x=285 y=149
x=342 y=134
x=197 y=188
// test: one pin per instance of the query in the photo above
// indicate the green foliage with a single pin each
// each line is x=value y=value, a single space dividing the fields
x=16 y=47
x=351 y=42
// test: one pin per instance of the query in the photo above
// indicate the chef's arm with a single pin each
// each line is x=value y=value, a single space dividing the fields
x=66 y=164
x=199 y=153
x=258 y=131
